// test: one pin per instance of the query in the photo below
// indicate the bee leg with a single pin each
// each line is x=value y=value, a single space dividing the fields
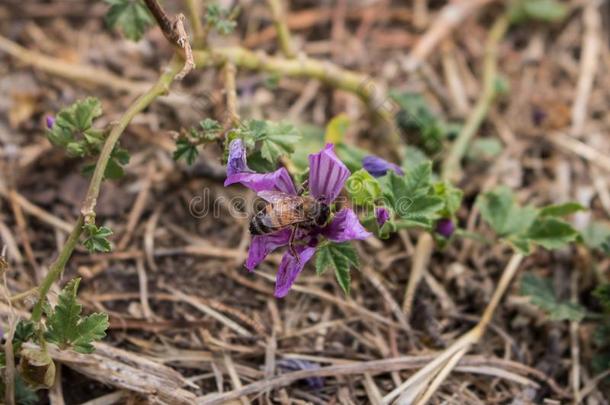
x=293 y=251
x=303 y=187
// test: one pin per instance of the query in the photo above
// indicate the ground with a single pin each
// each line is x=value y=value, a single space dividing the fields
x=183 y=310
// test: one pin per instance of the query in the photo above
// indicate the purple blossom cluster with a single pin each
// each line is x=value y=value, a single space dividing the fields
x=327 y=176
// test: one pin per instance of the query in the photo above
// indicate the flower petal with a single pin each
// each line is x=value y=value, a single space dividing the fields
x=290 y=269
x=237 y=162
x=382 y=215
x=327 y=174
x=239 y=172
x=345 y=226
x=378 y=167
x=278 y=180
x=262 y=245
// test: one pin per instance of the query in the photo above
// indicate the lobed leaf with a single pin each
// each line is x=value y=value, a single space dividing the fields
x=97 y=238
x=498 y=208
x=537 y=10
x=363 y=188
x=340 y=257
x=67 y=328
x=130 y=16
x=541 y=294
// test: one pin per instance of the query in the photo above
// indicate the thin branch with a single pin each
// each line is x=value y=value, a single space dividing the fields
x=421 y=258
x=175 y=32
x=194 y=12
x=589 y=60
x=283 y=32
x=70 y=71
x=368 y=90
x=231 y=90
x=88 y=209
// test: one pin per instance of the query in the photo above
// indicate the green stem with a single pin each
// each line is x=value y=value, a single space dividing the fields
x=194 y=12
x=451 y=167
x=88 y=210
x=283 y=33
x=370 y=92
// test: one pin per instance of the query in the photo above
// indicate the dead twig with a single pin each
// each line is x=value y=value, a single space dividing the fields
x=175 y=32
x=591 y=44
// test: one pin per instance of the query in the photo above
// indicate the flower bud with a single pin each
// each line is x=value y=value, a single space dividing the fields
x=50 y=121
x=445 y=227
x=378 y=167
x=382 y=215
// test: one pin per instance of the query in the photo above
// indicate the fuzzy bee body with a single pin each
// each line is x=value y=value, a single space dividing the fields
x=285 y=210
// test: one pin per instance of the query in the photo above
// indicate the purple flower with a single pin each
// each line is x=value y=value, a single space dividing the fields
x=315 y=383
x=378 y=167
x=327 y=175
x=239 y=172
x=445 y=227
x=50 y=121
x=382 y=215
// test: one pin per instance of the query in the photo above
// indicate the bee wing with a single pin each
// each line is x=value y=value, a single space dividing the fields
x=273 y=196
x=290 y=209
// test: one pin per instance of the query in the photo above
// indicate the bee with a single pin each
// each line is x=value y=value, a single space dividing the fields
x=288 y=211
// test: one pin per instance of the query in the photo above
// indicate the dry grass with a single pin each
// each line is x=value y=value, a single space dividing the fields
x=190 y=325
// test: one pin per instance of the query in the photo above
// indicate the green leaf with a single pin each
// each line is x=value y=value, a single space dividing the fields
x=597 y=236
x=540 y=291
x=551 y=233
x=601 y=361
x=422 y=210
x=274 y=139
x=336 y=129
x=71 y=124
x=185 y=150
x=418 y=120
x=220 y=19
x=97 y=238
x=602 y=294
x=340 y=257
x=451 y=196
x=560 y=210
x=350 y=155
x=413 y=158
x=130 y=16
x=418 y=179
x=525 y=226
x=278 y=141
x=521 y=244
x=363 y=188
x=312 y=140
x=484 y=149
x=24 y=331
x=601 y=334
x=412 y=196
x=67 y=328
x=209 y=129
x=24 y=395
x=499 y=210
x=537 y=10
x=113 y=170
